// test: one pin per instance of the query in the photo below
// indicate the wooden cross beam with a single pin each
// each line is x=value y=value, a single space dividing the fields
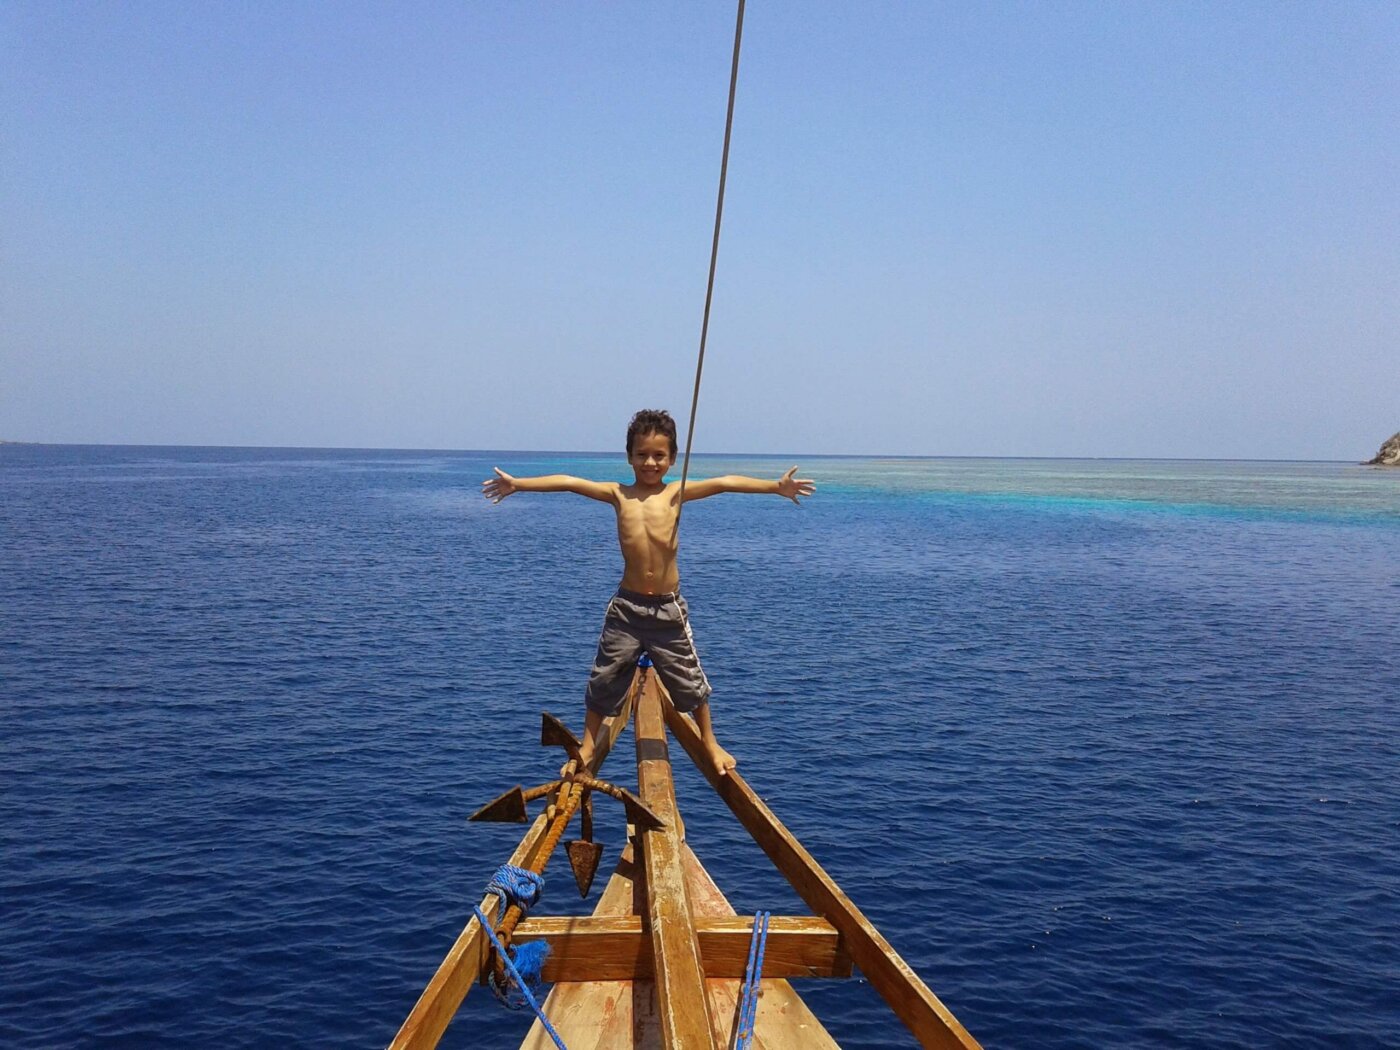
x=619 y=949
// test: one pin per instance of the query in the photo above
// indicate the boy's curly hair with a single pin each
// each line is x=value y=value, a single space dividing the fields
x=651 y=421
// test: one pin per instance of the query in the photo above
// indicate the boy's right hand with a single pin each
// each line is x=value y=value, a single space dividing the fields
x=792 y=487
x=498 y=488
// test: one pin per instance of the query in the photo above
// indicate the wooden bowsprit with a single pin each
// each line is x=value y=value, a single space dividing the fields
x=675 y=947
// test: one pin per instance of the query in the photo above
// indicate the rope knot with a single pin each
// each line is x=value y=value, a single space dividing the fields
x=522 y=964
x=518 y=886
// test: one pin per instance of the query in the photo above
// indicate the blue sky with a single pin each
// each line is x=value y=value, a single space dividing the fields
x=1135 y=229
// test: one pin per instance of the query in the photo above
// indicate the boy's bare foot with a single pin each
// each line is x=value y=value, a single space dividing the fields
x=721 y=759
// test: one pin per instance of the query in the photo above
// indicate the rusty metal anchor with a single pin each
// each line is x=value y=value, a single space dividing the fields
x=572 y=792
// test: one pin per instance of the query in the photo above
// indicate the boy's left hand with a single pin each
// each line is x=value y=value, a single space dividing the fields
x=792 y=487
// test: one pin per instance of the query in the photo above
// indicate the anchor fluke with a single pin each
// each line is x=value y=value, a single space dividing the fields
x=638 y=813
x=508 y=808
x=554 y=733
x=583 y=859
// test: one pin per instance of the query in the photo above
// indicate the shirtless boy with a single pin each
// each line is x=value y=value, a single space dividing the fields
x=648 y=613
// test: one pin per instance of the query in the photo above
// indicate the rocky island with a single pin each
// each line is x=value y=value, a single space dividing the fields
x=1389 y=455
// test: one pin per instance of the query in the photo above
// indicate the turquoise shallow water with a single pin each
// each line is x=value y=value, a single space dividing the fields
x=1106 y=748
x=1322 y=490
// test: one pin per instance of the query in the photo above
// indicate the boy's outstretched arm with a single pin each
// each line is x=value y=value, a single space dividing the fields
x=502 y=485
x=787 y=486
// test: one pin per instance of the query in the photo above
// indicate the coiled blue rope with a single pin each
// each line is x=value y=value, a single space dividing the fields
x=516 y=886
x=524 y=964
x=753 y=978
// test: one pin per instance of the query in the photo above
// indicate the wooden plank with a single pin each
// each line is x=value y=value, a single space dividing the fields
x=623 y=1015
x=680 y=977
x=932 y=1023
x=618 y=949
x=466 y=958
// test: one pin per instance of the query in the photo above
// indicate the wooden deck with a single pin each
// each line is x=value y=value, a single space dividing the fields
x=624 y=1015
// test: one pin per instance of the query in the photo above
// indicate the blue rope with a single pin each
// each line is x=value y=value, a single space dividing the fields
x=516 y=886
x=521 y=887
x=515 y=975
x=753 y=977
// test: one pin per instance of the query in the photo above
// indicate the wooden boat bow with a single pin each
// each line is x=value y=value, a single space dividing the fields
x=659 y=962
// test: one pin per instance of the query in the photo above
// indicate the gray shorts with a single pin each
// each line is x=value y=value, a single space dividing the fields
x=659 y=625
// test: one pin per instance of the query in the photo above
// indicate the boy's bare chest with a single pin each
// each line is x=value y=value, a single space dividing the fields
x=652 y=518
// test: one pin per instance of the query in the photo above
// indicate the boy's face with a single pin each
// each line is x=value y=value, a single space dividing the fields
x=651 y=457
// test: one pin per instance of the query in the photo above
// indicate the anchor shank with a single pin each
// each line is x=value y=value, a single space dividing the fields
x=567 y=804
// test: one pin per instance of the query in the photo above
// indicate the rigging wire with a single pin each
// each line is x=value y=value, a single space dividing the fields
x=714 y=256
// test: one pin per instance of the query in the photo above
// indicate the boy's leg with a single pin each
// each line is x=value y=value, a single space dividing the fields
x=592 y=722
x=672 y=648
x=721 y=759
x=613 y=668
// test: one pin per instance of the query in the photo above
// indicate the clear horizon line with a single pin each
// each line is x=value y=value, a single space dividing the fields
x=716 y=455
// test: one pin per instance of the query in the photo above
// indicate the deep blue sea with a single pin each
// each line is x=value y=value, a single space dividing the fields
x=1108 y=749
